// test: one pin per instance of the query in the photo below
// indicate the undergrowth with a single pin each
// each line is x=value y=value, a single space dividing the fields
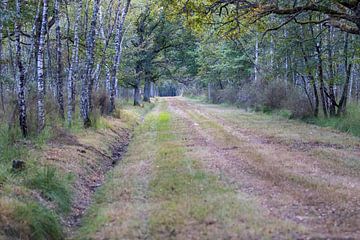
x=35 y=198
x=350 y=123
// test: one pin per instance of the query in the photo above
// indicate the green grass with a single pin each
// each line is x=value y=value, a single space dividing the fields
x=43 y=223
x=350 y=123
x=52 y=186
x=29 y=217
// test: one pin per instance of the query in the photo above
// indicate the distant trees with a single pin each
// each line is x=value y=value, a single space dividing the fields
x=309 y=47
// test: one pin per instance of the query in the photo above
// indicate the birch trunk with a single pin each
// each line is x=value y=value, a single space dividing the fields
x=40 y=70
x=86 y=85
x=73 y=66
x=106 y=43
x=59 y=65
x=20 y=75
x=117 y=57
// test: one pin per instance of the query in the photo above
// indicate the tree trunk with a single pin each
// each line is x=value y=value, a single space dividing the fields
x=106 y=40
x=321 y=79
x=87 y=81
x=147 y=86
x=315 y=106
x=256 y=63
x=73 y=70
x=117 y=57
x=152 y=93
x=137 y=97
x=332 y=98
x=21 y=75
x=40 y=71
x=348 y=68
x=59 y=65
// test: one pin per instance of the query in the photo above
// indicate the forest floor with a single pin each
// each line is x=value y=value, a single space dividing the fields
x=200 y=171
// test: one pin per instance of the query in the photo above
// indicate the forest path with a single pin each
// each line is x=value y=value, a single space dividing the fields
x=200 y=171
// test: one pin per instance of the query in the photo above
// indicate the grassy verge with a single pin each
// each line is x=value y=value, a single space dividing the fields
x=31 y=199
x=35 y=201
x=350 y=123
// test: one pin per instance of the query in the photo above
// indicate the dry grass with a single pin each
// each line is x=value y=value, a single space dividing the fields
x=161 y=191
x=271 y=157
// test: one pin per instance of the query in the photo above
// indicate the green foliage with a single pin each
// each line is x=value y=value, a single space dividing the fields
x=44 y=224
x=52 y=186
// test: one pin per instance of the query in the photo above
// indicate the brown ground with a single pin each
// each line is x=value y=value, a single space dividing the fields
x=298 y=173
x=88 y=156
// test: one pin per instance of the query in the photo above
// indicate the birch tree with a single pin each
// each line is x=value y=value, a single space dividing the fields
x=117 y=57
x=20 y=75
x=40 y=71
x=59 y=63
x=73 y=69
x=87 y=82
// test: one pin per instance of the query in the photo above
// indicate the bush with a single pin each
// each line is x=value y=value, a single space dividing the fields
x=297 y=104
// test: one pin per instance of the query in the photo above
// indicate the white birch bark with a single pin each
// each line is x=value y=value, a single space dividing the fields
x=73 y=66
x=87 y=82
x=40 y=71
x=20 y=75
x=59 y=64
x=117 y=57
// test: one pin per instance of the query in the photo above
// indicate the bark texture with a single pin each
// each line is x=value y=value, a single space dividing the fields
x=40 y=71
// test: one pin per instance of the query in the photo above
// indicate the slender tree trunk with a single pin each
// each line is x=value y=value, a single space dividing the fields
x=348 y=68
x=68 y=34
x=30 y=63
x=21 y=75
x=256 y=63
x=321 y=79
x=40 y=71
x=314 y=106
x=137 y=96
x=59 y=65
x=13 y=64
x=332 y=98
x=73 y=70
x=107 y=41
x=286 y=59
x=87 y=82
x=117 y=58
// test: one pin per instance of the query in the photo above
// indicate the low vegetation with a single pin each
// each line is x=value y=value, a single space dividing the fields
x=40 y=182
